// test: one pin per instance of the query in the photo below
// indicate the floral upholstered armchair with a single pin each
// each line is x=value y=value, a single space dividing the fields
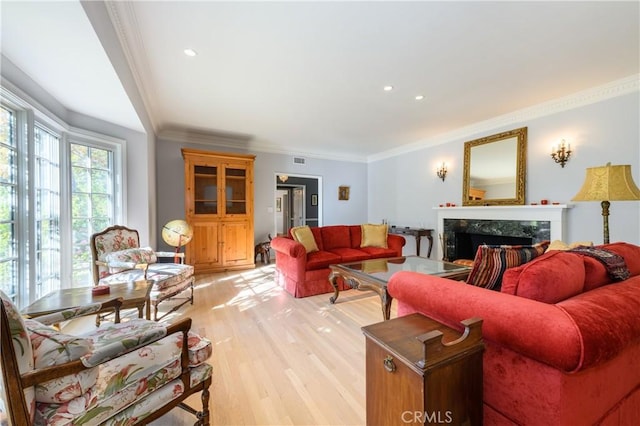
x=118 y=374
x=117 y=257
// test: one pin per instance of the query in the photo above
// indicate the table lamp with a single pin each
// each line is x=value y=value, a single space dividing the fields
x=608 y=183
x=177 y=233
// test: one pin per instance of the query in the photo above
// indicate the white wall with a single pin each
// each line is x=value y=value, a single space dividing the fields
x=170 y=183
x=140 y=199
x=404 y=189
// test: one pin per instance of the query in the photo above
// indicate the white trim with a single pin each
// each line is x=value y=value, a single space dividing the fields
x=275 y=195
x=554 y=214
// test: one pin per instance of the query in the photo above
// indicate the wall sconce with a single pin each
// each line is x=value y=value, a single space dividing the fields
x=283 y=178
x=442 y=171
x=562 y=153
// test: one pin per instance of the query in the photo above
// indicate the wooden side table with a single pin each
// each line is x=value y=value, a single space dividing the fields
x=132 y=295
x=419 y=371
x=417 y=233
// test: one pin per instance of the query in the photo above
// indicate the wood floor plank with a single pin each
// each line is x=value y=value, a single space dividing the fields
x=278 y=360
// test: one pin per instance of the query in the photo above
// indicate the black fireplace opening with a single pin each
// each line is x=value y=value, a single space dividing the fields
x=466 y=244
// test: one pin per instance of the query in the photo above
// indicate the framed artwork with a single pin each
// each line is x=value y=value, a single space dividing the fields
x=314 y=199
x=343 y=193
x=279 y=204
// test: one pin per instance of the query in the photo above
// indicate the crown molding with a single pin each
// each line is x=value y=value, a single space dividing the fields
x=243 y=142
x=593 y=95
x=125 y=22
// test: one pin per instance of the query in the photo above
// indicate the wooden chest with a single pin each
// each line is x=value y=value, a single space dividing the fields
x=419 y=371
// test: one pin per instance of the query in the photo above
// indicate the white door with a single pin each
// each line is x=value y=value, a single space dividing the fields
x=297 y=207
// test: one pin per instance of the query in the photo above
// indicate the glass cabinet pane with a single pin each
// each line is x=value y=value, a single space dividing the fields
x=206 y=190
x=235 y=191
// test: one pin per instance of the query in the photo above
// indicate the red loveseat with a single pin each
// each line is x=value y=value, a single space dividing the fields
x=562 y=340
x=305 y=274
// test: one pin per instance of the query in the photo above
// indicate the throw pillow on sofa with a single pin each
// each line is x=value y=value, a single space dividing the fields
x=304 y=236
x=492 y=260
x=374 y=235
x=550 y=278
x=561 y=245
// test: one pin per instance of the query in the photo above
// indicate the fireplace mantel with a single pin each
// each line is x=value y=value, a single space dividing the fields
x=554 y=214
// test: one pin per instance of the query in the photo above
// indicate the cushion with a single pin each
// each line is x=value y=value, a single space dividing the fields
x=492 y=260
x=374 y=235
x=561 y=245
x=550 y=278
x=335 y=236
x=51 y=347
x=304 y=236
x=136 y=255
x=21 y=345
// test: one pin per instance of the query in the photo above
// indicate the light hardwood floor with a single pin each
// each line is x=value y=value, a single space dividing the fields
x=278 y=360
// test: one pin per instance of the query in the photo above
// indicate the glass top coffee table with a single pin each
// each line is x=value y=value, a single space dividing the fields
x=374 y=275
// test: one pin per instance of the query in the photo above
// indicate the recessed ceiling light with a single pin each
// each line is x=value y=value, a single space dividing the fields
x=419 y=98
x=190 y=52
x=387 y=88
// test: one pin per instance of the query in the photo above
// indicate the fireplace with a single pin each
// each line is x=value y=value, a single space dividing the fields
x=466 y=244
x=462 y=229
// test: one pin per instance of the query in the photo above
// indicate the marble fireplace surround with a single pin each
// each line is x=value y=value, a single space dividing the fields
x=555 y=215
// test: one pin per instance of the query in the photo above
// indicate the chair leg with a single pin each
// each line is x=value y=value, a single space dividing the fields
x=204 y=414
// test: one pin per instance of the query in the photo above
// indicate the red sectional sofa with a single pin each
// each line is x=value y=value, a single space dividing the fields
x=305 y=274
x=562 y=340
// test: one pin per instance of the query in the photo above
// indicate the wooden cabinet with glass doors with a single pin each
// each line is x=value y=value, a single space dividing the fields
x=219 y=207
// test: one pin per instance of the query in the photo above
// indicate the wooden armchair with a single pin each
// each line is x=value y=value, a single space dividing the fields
x=118 y=257
x=128 y=373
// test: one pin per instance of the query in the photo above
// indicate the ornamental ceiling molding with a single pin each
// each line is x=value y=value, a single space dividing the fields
x=125 y=23
x=601 y=93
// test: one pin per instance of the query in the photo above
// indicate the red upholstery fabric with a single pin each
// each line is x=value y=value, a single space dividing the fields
x=378 y=252
x=550 y=278
x=321 y=260
x=350 y=255
x=302 y=274
x=569 y=363
x=334 y=237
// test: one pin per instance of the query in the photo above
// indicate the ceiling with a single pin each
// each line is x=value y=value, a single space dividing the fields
x=307 y=77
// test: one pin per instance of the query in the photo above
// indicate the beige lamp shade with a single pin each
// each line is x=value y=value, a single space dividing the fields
x=177 y=233
x=608 y=183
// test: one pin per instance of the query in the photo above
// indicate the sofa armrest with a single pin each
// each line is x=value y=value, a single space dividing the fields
x=288 y=247
x=396 y=242
x=538 y=330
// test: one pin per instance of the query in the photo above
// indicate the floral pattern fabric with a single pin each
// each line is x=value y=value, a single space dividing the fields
x=141 y=374
x=112 y=241
x=112 y=340
x=21 y=346
x=67 y=314
x=50 y=347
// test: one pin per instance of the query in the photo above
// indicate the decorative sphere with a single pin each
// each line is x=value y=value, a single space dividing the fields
x=177 y=233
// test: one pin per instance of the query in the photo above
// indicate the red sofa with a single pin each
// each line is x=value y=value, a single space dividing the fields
x=562 y=340
x=305 y=274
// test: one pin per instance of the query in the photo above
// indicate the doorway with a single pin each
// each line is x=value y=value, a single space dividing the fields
x=297 y=201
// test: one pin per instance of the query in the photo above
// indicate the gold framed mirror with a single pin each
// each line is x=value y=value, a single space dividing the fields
x=495 y=169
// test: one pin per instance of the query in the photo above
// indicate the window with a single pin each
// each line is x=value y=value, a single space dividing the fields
x=46 y=212
x=92 y=203
x=8 y=194
x=57 y=187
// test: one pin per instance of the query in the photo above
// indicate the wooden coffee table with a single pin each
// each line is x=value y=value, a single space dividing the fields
x=132 y=294
x=374 y=275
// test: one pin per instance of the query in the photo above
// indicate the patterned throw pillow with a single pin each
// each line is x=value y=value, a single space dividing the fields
x=51 y=347
x=304 y=236
x=374 y=235
x=491 y=261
